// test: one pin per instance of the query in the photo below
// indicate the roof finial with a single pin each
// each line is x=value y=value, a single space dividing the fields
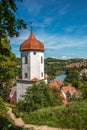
x=31 y=26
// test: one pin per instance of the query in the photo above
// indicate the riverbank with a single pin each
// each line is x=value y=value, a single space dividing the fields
x=61 y=76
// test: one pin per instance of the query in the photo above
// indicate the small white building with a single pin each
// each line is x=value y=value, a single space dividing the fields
x=32 y=64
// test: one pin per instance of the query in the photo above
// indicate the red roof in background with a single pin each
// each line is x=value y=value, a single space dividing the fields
x=32 y=44
x=59 y=82
x=56 y=83
x=71 y=89
x=64 y=89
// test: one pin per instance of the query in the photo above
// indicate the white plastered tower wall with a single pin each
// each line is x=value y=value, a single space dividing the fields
x=37 y=65
x=34 y=68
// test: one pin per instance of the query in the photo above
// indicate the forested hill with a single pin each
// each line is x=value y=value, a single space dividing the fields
x=54 y=67
x=50 y=59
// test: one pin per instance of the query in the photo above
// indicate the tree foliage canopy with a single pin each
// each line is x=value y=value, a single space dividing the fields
x=8 y=67
x=9 y=23
x=8 y=61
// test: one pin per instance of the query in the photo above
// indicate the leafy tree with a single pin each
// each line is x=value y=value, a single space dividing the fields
x=83 y=89
x=37 y=96
x=8 y=65
x=9 y=23
x=8 y=61
x=56 y=94
x=9 y=26
x=73 y=77
x=84 y=76
x=75 y=83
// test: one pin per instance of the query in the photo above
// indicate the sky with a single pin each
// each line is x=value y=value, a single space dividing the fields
x=61 y=25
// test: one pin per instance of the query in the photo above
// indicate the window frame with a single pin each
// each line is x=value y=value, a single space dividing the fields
x=41 y=60
x=26 y=75
x=41 y=74
x=25 y=59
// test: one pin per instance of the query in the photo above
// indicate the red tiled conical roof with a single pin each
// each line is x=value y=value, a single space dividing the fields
x=32 y=44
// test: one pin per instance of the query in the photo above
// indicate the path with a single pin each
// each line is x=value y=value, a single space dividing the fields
x=19 y=122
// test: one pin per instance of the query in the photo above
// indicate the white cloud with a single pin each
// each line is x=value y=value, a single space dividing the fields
x=53 y=42
x=65 y=57
x=58 y=41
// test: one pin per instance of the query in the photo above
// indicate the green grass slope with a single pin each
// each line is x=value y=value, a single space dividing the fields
x=70 y=116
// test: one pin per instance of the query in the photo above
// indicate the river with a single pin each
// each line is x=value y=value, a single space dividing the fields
x=61 y=77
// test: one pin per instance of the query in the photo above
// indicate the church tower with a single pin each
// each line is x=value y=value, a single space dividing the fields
x=32 y=58
x=32 y=64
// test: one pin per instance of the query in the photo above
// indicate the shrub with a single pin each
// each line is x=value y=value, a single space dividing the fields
x=69 y=116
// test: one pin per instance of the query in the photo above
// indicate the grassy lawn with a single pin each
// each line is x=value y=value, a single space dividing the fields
x=70 y=116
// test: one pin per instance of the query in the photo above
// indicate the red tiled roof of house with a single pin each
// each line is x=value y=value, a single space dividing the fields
x=64 y=91
x=71 y=89
x=54 y=84
x=60 y=82
x=57 y=84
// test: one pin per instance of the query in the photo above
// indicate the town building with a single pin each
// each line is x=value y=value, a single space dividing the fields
x=66 y=92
